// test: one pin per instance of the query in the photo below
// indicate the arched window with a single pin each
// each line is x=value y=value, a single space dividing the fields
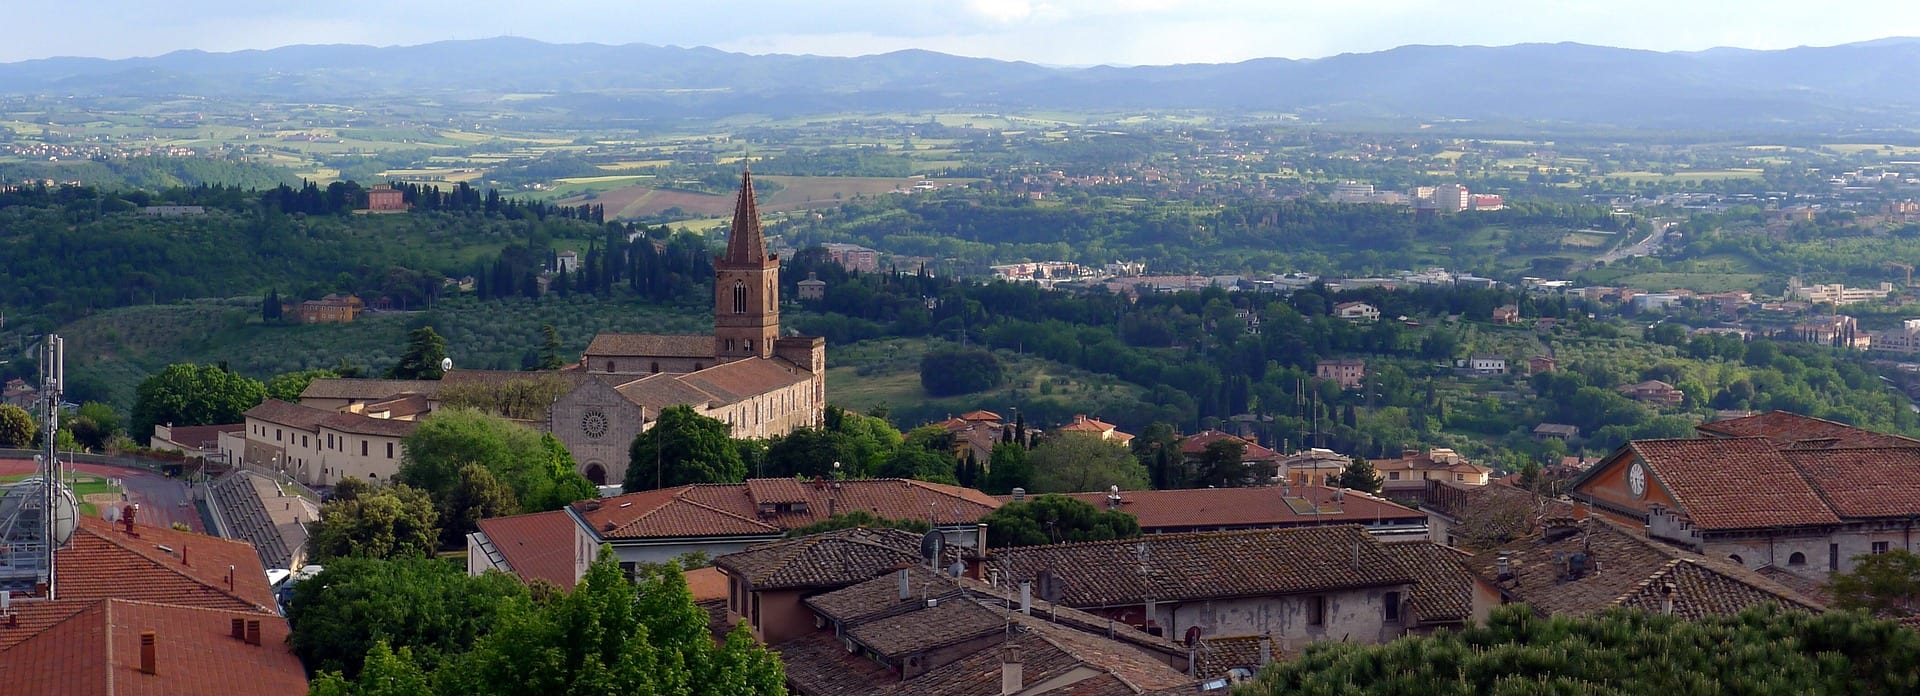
x=1797 y=559
x=597 y=474
x=739 y=297
x=656 y=366
x=1736 y=559
x=749 y=345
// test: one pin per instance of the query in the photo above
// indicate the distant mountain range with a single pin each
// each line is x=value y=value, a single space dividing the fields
x=1870 y=85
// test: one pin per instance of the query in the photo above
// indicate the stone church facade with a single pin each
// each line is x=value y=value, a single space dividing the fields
x=745 y=373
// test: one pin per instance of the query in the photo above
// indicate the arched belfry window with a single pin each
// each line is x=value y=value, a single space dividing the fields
x=739 y=297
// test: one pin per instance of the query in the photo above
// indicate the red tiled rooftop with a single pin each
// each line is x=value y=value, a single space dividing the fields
x=1264 y=506
x=1792 y=429
x=96 y=650
x=730 y=509
x=707 y=584
x=1733 y=483
x=103 y=561
x=536 y=546
x=1196 y=445
x=1863 y=482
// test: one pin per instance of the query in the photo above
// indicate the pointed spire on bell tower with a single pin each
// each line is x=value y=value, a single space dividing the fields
x=746 y=287
x=745 y=244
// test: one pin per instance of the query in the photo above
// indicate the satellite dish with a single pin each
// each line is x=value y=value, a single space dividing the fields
x=446 y=364
x=931 y=544
x=21 y=508
x=110 y=513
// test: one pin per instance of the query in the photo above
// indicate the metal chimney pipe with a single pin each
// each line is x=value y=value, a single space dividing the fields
x=1026 y=597
x=905 y=592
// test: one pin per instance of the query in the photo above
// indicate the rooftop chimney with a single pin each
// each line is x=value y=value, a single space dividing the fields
x=1012 y=672
x=1026 y=597
x=127 y=515
x=905 y=593
x=239 y=629
x=147 y=657
x=253 y=631
x=1019 y=494
x=980 y=539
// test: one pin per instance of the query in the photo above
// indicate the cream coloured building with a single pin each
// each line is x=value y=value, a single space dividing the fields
x=318 y=447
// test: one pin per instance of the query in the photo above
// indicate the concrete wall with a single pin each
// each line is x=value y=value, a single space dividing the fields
x=639 y=365
x=1852 y=541
x=1351 y=615
x=308 y=458
x=782 y=616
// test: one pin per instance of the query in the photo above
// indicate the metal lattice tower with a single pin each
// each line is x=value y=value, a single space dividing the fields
x=38 y=514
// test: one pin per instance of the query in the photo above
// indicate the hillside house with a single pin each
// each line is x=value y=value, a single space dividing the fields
x=1356 y=311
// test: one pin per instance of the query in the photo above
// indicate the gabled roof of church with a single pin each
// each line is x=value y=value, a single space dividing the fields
x=745 y=244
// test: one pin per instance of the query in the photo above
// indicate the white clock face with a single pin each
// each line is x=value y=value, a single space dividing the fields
x=594 y=424
x=1637 y=479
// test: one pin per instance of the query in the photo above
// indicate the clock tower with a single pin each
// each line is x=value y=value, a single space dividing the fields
x=746 y=286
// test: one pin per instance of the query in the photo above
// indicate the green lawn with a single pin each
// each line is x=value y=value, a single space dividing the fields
x=83 y=485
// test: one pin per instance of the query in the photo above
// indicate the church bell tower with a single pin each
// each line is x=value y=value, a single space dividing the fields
x=746 y=286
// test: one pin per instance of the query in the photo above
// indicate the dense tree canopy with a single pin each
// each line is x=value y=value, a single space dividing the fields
x=1760 y=651
x=397 y=521
x=951 y=371
x=17 y=427
x=287 y=387
x=683 y=447
x=423 y=359
x=427 y=605
x=1885 y=584
x=1052 y=519
x=1080 y=462
x=186 y=394
x=610 y=635
x=534 y=464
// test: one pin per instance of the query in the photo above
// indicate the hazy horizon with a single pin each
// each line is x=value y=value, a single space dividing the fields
x=1053 y=32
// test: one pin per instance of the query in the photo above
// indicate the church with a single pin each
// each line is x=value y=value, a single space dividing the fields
x=746 y=374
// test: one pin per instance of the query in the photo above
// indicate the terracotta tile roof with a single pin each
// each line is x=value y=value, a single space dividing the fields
x=1437 y=460
x=926 y=628
x=501 y=377
x=1625 y=569
x=96 y=650
x=667 y=512
x=707 y=585
x=368 y=389
x=741 y=379
x=405 y=406
x=983 y=416
x=1196 y=445
x=1209 y=565
x=1863 y=482
x=289 y=414
x=1090 y=664
x=657 y=392
x=1713 y=481
x=103 y=562
x=1007 y=595
x=618 y=345
x=537 y=546
x=1444 y=593
x=1248 y=508
x=729 y=509
x=1214 y=656
x=1792 y=429
x=203 y=436
x=1494 y=511
x=880 y=595
x=818 y=665
x=357 y=424
x=776 y=490
x=832 y=559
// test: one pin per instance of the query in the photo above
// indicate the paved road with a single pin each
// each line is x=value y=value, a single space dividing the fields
x=163 y=501
x=1645 y=247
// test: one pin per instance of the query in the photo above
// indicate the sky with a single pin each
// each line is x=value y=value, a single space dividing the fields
x=1054 y=32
